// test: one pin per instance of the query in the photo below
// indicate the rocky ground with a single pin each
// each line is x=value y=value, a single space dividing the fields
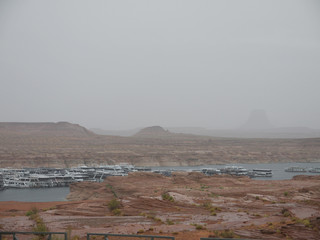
x=186 y=206
x=170 y=150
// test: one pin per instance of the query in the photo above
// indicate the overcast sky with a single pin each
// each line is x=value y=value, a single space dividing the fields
x=127 y=64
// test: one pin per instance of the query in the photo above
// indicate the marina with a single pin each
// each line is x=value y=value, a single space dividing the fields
x=63 y=177
x=59 y=177
x=261 y=171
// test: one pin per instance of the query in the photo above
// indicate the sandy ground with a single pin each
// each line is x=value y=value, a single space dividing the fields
x=201 y=206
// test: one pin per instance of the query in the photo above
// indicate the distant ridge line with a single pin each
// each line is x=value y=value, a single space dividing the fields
x=45 y=128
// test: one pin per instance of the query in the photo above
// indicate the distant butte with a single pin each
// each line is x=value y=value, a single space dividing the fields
x=153 y=131
x=45 y=129
x=258 y=119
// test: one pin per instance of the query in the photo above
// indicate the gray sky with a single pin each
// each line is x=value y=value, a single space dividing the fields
x=127 y=64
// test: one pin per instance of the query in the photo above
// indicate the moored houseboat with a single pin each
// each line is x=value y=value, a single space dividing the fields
x=314 y=170
x=260 y=173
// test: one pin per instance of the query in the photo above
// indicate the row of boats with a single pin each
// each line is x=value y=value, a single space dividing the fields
x=302 y=169
x=61 y=177
x=230 y=170
x=238 y=171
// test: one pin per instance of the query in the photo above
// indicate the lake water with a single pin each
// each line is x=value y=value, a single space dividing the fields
x=35 y=194
x=60 y=193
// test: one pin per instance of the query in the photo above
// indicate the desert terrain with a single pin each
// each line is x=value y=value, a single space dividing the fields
x=186 y=205
x=67 y=145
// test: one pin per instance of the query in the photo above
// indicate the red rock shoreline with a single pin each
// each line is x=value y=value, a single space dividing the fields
x=202 y=206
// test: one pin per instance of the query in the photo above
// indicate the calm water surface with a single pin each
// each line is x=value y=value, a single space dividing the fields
x=35 y=194
x=60 y=193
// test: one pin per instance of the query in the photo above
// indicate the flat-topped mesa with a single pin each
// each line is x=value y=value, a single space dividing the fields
x=154 y=131
x=44 y=129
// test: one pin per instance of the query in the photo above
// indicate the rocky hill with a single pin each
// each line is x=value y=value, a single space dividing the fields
x=154 y=131
x=44 y=129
